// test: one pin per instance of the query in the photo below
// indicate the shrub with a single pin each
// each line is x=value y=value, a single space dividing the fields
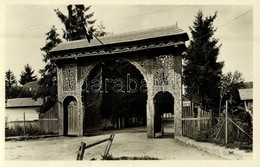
x=18 y=130
x=202 y=136
x=110 y=157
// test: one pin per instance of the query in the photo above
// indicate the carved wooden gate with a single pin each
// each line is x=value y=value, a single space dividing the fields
x=72 y=118
x=156 y=53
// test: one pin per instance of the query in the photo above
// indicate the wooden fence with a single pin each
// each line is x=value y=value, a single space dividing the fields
x=196 y=123
x=49 y=121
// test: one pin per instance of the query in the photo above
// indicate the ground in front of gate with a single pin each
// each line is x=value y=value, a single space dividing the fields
x=128 y=142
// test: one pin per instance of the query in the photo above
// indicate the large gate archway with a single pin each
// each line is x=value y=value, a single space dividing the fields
x=114 y=96
x=156 y=53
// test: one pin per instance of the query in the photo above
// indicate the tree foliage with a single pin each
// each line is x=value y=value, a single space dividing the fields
x=100 y=31
x=12 y=90
x=201 y=70
x=48 y=87
x=52 y=40
x=78 y=24
x=27 y=75
x=10 y=79
x=10 y=84
x=230 y=83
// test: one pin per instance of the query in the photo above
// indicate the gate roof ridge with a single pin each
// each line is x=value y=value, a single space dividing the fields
x=132 y=36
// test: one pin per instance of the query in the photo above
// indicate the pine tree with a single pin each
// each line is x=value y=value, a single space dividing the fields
x=27 y=75
x=202 y=72
x=52 y=40
x=10 y=84
x=48 y=87
x=10 y=79
x=78 y=25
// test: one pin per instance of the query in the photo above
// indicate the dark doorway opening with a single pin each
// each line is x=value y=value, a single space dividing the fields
x=164 y=113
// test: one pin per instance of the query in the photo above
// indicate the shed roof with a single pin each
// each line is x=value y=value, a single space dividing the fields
x=23 y=102
x=123 y=37
x=246 y=94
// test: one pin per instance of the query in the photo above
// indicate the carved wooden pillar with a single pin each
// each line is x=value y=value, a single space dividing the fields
x=60 y=101
x=150 y=106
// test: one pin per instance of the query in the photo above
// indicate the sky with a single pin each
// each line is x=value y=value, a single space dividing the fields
x=26 y=26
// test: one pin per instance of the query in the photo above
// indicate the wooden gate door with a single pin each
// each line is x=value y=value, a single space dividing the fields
x=72 y=118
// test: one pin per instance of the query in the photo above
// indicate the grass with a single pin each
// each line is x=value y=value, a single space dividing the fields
x=110 y=157
x=18 y=130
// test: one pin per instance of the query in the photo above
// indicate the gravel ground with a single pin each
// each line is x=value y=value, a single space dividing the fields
x=128 y=142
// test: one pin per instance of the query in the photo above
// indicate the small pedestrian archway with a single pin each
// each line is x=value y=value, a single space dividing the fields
x=164 y=113
x=156 y=54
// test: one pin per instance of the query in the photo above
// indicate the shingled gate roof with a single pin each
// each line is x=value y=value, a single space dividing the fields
x=124 y=37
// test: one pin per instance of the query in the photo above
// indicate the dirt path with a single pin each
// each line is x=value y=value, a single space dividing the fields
x=131 y=142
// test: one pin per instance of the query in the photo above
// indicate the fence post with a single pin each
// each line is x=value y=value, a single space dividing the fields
x=81 y=151
x=24 y=132
x=226 y=122
x=109 y=145
x=198 y=121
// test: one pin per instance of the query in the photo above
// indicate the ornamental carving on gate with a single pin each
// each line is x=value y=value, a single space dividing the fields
x=69 y=77
x=163 y=70
x=83 y=71
x=118 y=49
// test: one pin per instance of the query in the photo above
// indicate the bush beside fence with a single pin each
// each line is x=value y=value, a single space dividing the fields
x=21 y=128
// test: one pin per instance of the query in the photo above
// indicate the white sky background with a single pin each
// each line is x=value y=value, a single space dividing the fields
x=26 y=26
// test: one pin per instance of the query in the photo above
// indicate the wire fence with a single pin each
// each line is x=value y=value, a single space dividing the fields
x=233 y=130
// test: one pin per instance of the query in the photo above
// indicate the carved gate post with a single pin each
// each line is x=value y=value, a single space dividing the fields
x=150 y=107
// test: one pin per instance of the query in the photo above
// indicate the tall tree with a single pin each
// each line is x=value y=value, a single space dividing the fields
x=10 y=83
x=201 y=70
x=78 y=24
x=27 y=75
x=10 y=79
x=52 y=40
x=48 y=88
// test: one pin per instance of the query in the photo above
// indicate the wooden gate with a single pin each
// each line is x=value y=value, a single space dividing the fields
x=72 y=118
